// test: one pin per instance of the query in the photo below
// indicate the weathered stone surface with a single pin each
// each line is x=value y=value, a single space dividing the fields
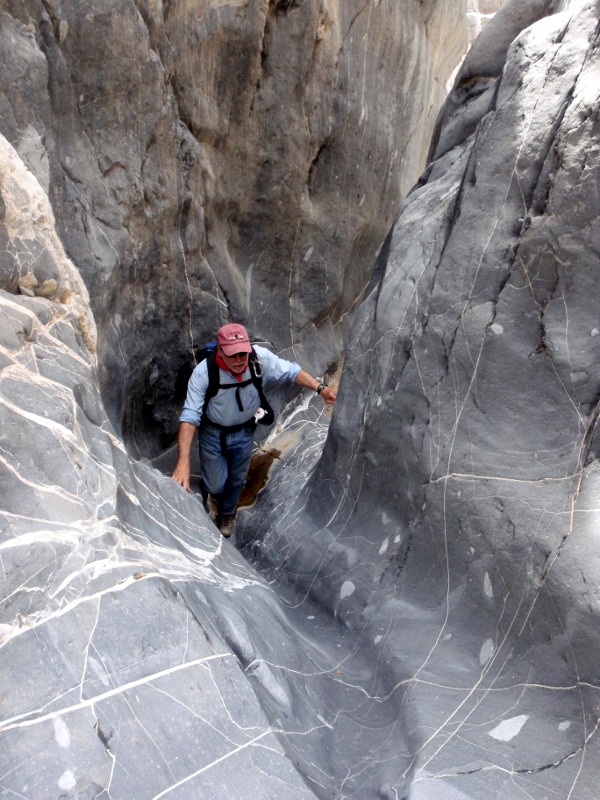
x=452 y=517
x=141 y=657
x=209 y=160
x=450 y=524
x=32 y=257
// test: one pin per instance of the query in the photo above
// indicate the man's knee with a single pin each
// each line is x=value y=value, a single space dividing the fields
x=213 y=485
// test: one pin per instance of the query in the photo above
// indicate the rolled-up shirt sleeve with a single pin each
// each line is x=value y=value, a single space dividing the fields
x=276 y=369
x=194 y=401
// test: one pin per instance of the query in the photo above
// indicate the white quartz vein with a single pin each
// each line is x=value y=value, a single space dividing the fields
x=34 y=718
x=206 y=767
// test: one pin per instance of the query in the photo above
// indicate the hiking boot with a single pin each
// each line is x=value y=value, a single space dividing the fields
x=227 y=524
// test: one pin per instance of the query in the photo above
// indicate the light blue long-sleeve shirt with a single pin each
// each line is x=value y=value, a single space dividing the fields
x=223 y=408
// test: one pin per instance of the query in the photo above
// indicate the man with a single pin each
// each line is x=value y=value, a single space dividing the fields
x=227 y=419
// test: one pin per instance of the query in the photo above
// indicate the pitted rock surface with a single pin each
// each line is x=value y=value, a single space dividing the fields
x=451 y=518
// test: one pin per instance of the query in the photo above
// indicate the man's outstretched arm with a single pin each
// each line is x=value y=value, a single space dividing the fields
x=185 y=437
x=303 y=378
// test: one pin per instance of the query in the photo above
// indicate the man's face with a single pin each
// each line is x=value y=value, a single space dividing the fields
x=237 y=363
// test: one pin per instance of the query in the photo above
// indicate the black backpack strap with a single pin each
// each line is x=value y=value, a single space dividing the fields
x=213 y=381
x=255 y=378
x=256 y=375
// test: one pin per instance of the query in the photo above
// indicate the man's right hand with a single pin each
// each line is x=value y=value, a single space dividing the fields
x=181 y=474
x=182 y=471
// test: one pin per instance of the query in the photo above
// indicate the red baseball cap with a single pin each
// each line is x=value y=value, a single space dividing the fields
x=233 y=338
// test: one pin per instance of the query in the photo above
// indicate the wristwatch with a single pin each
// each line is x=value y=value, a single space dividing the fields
x=320 y=388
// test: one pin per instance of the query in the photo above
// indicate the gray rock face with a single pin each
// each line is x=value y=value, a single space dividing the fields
x=114 y=672
x=141 y=657
x=208 y=161
x=449 y=525
x=451 y=519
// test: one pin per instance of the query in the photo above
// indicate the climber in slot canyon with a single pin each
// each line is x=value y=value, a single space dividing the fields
x=225 y=400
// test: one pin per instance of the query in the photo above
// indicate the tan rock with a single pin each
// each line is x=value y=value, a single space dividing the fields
x=47 y=289
x=27 y=284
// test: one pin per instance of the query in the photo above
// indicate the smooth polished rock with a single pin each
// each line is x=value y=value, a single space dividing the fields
x=140 y=656
x=451 y=519
x=450 y=526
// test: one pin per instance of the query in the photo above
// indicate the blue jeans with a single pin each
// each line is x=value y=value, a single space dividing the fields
x=224 y=469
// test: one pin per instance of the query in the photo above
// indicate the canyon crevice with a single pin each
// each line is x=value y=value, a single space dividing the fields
x=411 y=607
x=214 y=160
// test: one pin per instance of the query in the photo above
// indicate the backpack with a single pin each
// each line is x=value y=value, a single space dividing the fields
x=209 y=352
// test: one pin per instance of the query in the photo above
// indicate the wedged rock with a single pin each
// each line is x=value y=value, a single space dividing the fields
x=480 y=12
x=32 y=258
x=451 y=518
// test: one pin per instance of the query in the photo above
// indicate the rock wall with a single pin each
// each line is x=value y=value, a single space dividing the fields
x=450 y=524
x=140 y=656
x=125 y=630
x=216 y=160
x=452 y=518
x=32 y=259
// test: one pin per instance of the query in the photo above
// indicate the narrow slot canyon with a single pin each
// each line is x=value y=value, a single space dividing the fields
x=401 y=198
